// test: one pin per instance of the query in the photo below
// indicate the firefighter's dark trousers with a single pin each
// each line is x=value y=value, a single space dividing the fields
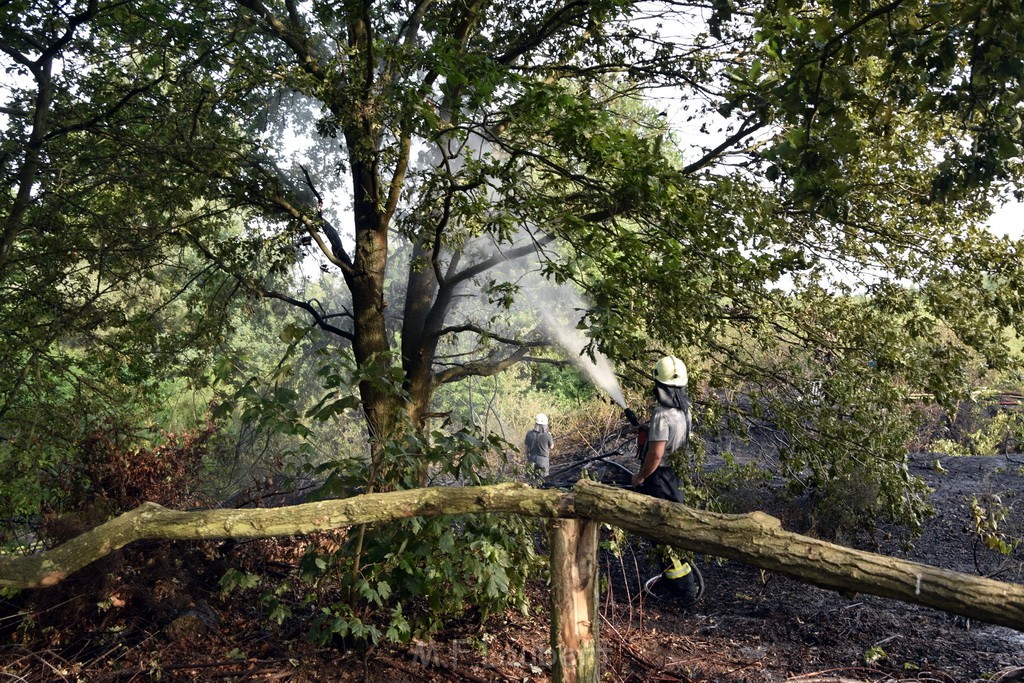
x=677 y=576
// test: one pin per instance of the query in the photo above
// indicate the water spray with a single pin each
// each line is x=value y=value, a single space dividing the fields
x=593 y=364
x=559 y=307
x=597 y=367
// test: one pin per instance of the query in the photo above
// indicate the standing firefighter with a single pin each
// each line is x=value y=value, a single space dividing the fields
x=539 y=443
x=668 y=431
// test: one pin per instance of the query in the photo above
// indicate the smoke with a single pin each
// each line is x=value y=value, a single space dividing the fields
x=295 y=148
x=558 y=307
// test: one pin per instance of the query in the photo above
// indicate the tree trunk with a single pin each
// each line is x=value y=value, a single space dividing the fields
x=28 y=173
x=755 y=539
x=574 y=618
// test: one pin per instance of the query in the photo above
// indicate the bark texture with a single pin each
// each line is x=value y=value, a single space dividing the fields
x=574 y=620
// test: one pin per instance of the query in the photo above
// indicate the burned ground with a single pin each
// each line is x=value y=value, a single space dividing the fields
x=163 y=617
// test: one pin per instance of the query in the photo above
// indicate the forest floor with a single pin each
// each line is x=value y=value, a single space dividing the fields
x=750 y=626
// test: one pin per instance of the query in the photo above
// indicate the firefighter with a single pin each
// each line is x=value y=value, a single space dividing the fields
x=539 y=443
x=667 y=431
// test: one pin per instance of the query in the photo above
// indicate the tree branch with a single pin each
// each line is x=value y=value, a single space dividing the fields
x=755 y=539
x=459 y=329
x=558 y=20
x=278 y=28
x=320 y=319
x=253 y=287
x=152 y=521
x=337 y=253
x=834 y=43
x=487 y=264
x=713 y=154
x=479 y=369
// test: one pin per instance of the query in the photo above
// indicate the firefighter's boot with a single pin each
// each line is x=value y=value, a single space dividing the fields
x=678 y=582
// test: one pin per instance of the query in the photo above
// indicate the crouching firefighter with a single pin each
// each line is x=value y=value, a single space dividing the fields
x=668 y=431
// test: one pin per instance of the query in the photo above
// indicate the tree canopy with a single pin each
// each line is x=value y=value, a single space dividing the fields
x=819 y=219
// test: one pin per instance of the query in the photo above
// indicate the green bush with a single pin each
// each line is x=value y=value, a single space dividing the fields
x=404 y=579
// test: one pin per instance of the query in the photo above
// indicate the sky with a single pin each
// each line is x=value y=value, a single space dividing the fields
x=1008 y=220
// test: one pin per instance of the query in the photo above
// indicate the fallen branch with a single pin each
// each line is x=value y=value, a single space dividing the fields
x=758 y=539
x=755 y=539
x=152 y=521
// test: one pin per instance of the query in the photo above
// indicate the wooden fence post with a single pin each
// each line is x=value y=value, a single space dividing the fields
x=575 y=653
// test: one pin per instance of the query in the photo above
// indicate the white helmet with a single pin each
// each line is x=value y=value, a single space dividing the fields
x=670 y=371
x=541 y=419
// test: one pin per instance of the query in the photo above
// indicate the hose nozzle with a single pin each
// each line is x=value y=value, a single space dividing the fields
x=631 y=416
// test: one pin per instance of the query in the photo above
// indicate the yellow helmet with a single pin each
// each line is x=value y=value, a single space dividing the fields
x=670 y=371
